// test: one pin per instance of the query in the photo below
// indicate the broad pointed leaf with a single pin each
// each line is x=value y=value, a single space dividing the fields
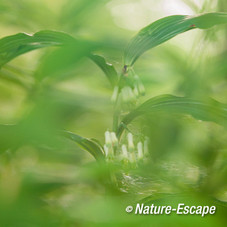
x=15 y=45
x=166 y=28
x=21 y=43
x=208 y=111
x=107 y=68
x=89 y=145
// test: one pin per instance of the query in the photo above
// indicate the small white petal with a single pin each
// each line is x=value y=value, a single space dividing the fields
x=114 y=138
x=130 y=141
x=106 y=150
x=124 y=151
x=108 y=138
x=140 y=150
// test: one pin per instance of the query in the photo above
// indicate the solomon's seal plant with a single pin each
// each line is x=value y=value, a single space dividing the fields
x=124 y=151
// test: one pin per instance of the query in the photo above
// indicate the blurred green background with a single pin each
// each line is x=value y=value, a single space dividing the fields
x=47 y=180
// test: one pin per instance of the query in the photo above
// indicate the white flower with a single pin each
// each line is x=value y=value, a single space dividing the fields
x=124 y=151
x=127 y=94
x=114 y=138
x=136 y=91
x=106 y=149
x=140 y=150
x=108 y=141
x=130 y=141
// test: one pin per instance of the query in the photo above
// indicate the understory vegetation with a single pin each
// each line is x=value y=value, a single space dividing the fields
x=95 y=117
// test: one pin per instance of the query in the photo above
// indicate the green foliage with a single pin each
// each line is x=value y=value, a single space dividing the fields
x=207 y=111
x=107 y=68
x=67 y=146
x=13 y=46
x=166 y=28
x=71 y=51
x=91 y=146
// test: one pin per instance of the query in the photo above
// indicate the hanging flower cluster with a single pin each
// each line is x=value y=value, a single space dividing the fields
x=129 y=93
x=128 y=153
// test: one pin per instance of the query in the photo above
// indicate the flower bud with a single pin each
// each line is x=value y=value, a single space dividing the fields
x=140 y=150
x=131 y=94
x=106 y=149
x=108 y=153
x=130 y=141
x=124 y=152
x=136 y=91
x=108 y=141
x=114 y=138
x=127 y=94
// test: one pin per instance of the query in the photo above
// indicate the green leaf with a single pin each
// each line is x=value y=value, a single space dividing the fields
x=107 y=68
x=203 y=110
x=15 y=45
x=166 y=28
x=89 y=145
x=65 y=57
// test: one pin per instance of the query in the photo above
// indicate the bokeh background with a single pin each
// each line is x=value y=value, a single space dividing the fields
x=46 y=180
